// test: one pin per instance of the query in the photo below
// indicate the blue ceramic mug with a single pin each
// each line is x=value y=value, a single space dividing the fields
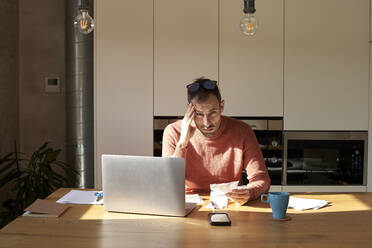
x=278 y=202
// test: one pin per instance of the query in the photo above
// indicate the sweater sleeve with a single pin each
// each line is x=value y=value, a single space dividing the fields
x=259 y=180
x=170 y=139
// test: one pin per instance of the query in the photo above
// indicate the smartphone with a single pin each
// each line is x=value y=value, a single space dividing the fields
x=219 y=219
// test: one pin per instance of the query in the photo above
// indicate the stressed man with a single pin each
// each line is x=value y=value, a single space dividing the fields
x=215 y=147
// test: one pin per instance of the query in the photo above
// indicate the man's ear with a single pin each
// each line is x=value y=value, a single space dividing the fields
x=222 y=105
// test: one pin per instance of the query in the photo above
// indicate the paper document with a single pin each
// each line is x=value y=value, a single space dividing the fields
x=303 y=204
x=45 y=208
x=218 y=196
x=194 y=198
x=222 y=188
x=213 y=205
x=82 y=197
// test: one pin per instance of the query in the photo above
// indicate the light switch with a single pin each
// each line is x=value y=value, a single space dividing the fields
x=52 y=84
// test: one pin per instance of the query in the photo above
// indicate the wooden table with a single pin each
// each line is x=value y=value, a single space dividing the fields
x=347 y=222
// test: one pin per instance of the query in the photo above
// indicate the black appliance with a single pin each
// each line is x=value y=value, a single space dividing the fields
x=325 y=158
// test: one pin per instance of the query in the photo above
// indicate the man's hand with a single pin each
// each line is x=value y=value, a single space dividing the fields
x=186 y=129
x=240 y=196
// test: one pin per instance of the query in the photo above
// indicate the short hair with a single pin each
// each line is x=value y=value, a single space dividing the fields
x=202 y=94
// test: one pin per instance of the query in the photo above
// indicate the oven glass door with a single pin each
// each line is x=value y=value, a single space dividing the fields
x=325 y=162
x=271 y=144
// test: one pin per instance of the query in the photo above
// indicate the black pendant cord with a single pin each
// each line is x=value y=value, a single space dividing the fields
x=249 y=6
x=83 y=4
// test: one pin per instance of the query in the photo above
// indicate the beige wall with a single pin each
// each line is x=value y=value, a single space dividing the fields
x=123 y=87
x=42 y=53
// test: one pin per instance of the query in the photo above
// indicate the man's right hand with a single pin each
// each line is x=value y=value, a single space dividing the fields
x=186 y=127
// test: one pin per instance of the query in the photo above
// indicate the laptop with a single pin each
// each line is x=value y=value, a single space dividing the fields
x=144 y=185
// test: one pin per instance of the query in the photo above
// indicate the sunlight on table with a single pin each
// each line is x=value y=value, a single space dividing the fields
x=349 y=203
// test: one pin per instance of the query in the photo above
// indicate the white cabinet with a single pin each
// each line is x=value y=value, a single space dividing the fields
x=326 y=65
x=251 y=68
x=185 y=48
x=369 y=169
x=370 y=19
x=123 y=90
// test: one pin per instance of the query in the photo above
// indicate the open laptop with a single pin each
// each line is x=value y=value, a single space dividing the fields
x=144 y=185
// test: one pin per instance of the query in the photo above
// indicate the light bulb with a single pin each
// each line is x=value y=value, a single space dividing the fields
x=249 y=24
x=83 y=22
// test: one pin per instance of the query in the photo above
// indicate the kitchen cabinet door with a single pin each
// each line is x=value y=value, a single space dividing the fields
x=326 y=68
x=185 y=48
x=370 y=19
x=369 y=163
x=123 y=58
x=251 y=68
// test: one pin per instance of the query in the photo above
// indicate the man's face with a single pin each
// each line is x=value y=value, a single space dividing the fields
x=208 y=115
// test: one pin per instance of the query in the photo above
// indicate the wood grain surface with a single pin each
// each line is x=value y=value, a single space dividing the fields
x=346 y=222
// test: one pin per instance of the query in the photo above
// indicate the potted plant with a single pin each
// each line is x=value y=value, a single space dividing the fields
x=32 y=177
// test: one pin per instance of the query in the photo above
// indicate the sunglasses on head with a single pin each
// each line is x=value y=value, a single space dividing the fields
x=208 y=85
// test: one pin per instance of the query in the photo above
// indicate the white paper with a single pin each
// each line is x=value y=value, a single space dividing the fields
x=303 y=204
x=194 y=198
x=81 y=197
x=218 y=194
x=219 y=202
x=210 y=206
x=223 y=188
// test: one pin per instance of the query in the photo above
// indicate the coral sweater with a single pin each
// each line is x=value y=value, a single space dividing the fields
x=220 y=159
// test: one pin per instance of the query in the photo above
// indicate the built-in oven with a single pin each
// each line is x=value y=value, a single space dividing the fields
x=325 y=158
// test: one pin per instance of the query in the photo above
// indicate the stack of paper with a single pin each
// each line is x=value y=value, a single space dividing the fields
x=303 y=204
x=82 y=197
x=194 y=198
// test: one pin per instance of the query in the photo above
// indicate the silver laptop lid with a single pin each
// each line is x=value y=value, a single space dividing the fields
x=145 y=185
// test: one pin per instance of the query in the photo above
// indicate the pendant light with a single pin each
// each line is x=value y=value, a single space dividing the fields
x=83 y=21
x=249 y=23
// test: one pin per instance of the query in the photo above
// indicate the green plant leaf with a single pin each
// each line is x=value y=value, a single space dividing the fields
x=67 y=168
x=6 y=158
x=47 y=189
x=42 y=147
x=52 y=155
x=7 y=166
x=19 y=184
x=34 y=176
x=59 y=177
x=10 y=176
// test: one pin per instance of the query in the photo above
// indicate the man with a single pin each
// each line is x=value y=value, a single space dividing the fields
x=215 y=147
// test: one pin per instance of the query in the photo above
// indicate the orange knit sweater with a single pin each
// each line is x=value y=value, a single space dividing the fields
x=220 y=159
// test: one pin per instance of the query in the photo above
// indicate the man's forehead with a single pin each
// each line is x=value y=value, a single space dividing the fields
x=206 y=106
x=205 y=110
